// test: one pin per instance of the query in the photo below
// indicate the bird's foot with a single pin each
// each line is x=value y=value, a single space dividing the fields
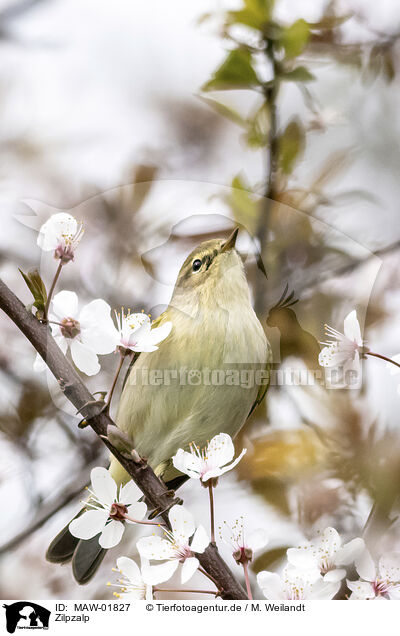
x=100 y=402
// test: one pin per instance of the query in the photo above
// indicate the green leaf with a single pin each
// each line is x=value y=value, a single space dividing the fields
x=255 y=14
x=294 y=38
x=298 y=74
x=225 y=111
x=244 y=206
x=291 y=144
x=36 y=287
x=235 y=72
x=258 y=127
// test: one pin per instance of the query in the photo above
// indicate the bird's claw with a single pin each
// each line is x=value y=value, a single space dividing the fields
x=89 y=403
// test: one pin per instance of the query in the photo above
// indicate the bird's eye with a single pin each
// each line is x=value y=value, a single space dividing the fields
x=196 y=265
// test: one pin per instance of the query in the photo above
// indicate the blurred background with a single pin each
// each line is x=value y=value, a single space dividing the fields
x=162 y=124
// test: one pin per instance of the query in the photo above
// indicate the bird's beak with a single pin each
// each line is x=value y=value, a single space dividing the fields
x=230 y=242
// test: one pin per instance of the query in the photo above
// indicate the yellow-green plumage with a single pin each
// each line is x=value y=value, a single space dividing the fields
x=214 y=328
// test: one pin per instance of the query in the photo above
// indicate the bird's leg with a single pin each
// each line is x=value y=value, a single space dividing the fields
x=100 y=402
x=170 y=493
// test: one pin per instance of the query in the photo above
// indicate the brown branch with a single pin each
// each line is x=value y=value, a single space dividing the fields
x=77 y=393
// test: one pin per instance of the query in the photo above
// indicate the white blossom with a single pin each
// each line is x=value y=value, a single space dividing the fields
x=243 y=544
x=377 y=582
x=131 y=583
x=174 y=548
x=61 y=233
x=209 y=462
x=108 y=509
x=325 y=554
x=296 y=585
x=345 y=348
x=135 y=332
x=86 y=333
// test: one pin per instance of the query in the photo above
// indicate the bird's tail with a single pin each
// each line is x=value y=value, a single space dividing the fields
x=86 y=555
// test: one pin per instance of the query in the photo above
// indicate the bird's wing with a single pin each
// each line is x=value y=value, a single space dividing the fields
x=262 y=391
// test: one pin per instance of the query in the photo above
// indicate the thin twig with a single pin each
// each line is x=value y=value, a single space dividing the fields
x=212 y=520
x=121 y=361
x=50 y=294
x=379 y=355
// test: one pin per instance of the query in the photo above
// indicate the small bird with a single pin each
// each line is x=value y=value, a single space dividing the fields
x=214 y=330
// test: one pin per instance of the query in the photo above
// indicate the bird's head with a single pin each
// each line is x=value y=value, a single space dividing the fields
x=213 y=271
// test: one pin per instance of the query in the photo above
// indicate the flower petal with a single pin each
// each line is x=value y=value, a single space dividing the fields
x=365 y=566
x=220 y=450
x=349 y=552
x=130 y=569
x=361 y=589
x=65 y=304
x=97 y=327
x=112 y=534
x=302 y=558
x=257 y=539
x=136 y=327
x=158 y=334
x=189 y=567
x=155 y=547
x=200 y=540
x=103 y=485
x=155 y=574
x=130 y=493
x=182 y=523
x=271 y=585
x=323 y=590
x=89 y=524
x=137 y=510
x=333 y=356
x=216 y=472
x=187 y=463
x=51 y=232
x=329 y=541
x=352 y=329
x=335 y=575
x=84 y=358
x=389 y=567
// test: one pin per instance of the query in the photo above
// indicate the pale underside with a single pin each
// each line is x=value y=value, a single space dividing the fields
x=214 y=330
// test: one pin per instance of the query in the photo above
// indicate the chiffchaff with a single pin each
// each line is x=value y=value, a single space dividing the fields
x=204 y=379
